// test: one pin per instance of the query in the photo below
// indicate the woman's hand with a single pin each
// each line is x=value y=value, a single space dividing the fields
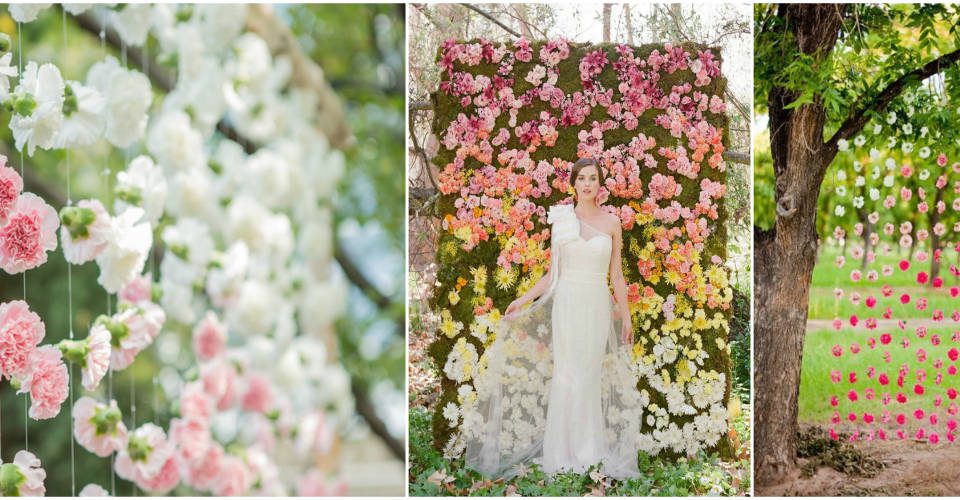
x=626 y=332
x=514 y=307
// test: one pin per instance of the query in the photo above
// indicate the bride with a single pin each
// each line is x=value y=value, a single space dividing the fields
x=558 y=386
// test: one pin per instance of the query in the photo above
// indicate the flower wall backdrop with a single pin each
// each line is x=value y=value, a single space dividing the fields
x=221 y=242
x=511 y=120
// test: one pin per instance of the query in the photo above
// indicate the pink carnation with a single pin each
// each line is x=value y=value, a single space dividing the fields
x=219 y=381
x=46 y=382
x=203 y=474
x=146 y=453
x=33 y=475
x=259 y=395
x=165 y=480
x=85 y=231
x=209 y=337
x=97 y=361
x=138 y=327
x=195 y=404
x=138 y=290
x=315 y=484
x=30 y=232
x=10 y=186
x=234 y=478
x=192 y=439
x=20 y=331
x=98 y=427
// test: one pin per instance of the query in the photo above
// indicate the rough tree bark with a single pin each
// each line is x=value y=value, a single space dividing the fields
x=784 y=256
x=607 y=8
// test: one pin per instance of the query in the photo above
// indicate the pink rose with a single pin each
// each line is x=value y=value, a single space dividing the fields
x=209 y=337
x=30 y=233
x=20 y=331
x=46 y=382
x=97 y=427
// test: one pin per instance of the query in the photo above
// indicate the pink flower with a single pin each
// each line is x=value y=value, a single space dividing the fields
x=98 y=427
x=234 y=478
x=30 y=233
x=163 y=481
x=219 y=379
x=138 y=290
x=133 y=330
x=46 y=382
x=85 y=231
x=195 y=404
x=315 y=484
x=91 y=353
x=146 y=453
x=204 y=474
x=93 y=490
x=20 y=331
x=209 y=337
x=31 y=482
x=10 y=186
x=259 y=395
x=192 y=439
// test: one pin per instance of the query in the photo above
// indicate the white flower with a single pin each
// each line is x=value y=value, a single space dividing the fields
x=7 y=71
x=247 y=221
x=906 y=147
x=315 y=242
x=128 y=95
x=203 y=96
x=888 y=181
x=857 y=166
x=890 y=164
x=907 y=128
x=132 y=23
x=75 y=9
x=891 y=118
x=924 y=131
x=225 y=279
x=85 y=231
x=924 y=152
x=142 y=185
x=221 y=24
x=841 y=191
x=83 y=120
x=859 y=181
x=190 y=194
x=858 y=201
x=843 y=145
x=839 y=210
x=451 y=412
x=190 y=241
x=841 y=175
x=859 y=140
x=123 y=258
x=174 y=143
x=271 y=179
x=320 y=305
x=40 y=95
x=93 y=489
x=924 y=174
x=874 y=194
x=254 y=310
x=877 y=129
x=27 y=12
x=33 y=475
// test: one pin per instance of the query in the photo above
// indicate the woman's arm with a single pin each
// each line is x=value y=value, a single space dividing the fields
x=542 y=285
x=620 y=285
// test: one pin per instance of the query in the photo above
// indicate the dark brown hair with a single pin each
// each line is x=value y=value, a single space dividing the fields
x=583 y=163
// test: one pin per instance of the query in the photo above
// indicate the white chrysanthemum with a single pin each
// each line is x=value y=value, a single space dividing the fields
x=128 y=96
x=132 y=23
x=203 y=96
x=271 y=179
x=40 y=95
x=174 y=143
x=253 y=63
x=247 y=221
x=122 y=260
x=27 y=12
x=190 y=194
x=221 y=24
x=83 y=119
x=142 y=185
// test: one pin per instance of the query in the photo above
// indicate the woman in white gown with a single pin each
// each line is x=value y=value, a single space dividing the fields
x=558 y=386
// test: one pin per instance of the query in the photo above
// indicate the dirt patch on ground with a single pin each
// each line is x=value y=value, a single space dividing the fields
x=908 y=468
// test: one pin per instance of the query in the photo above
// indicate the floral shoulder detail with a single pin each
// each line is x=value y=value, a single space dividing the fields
x=560 y=213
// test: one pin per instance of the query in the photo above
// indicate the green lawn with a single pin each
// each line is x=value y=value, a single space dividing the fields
x=827 y=277
x=432 y=475
x=816 y=386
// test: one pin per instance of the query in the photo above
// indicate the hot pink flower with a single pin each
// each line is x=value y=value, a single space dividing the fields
x=10 y=186
x=20 y=332
x=30 y=233
x=209 y=337
x=46 y=382
x=98 y=427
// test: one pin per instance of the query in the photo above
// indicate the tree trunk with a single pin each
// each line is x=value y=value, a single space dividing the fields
x=606 y=22
x=785 y=256
x=629 y=18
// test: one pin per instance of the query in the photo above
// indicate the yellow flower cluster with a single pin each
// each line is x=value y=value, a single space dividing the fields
x=448 y=326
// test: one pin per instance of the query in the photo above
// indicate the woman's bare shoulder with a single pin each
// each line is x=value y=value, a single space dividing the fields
x=612 y=222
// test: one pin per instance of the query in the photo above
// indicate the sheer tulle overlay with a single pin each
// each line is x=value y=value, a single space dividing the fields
x=557 y=387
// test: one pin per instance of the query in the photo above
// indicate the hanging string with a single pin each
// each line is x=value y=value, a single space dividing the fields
x=26 y=410
x=73 y=459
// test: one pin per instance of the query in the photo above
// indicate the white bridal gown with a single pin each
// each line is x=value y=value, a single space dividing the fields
x=557 y=387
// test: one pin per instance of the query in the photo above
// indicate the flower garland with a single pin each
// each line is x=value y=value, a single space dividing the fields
x=511 y=119
x=245 y=277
